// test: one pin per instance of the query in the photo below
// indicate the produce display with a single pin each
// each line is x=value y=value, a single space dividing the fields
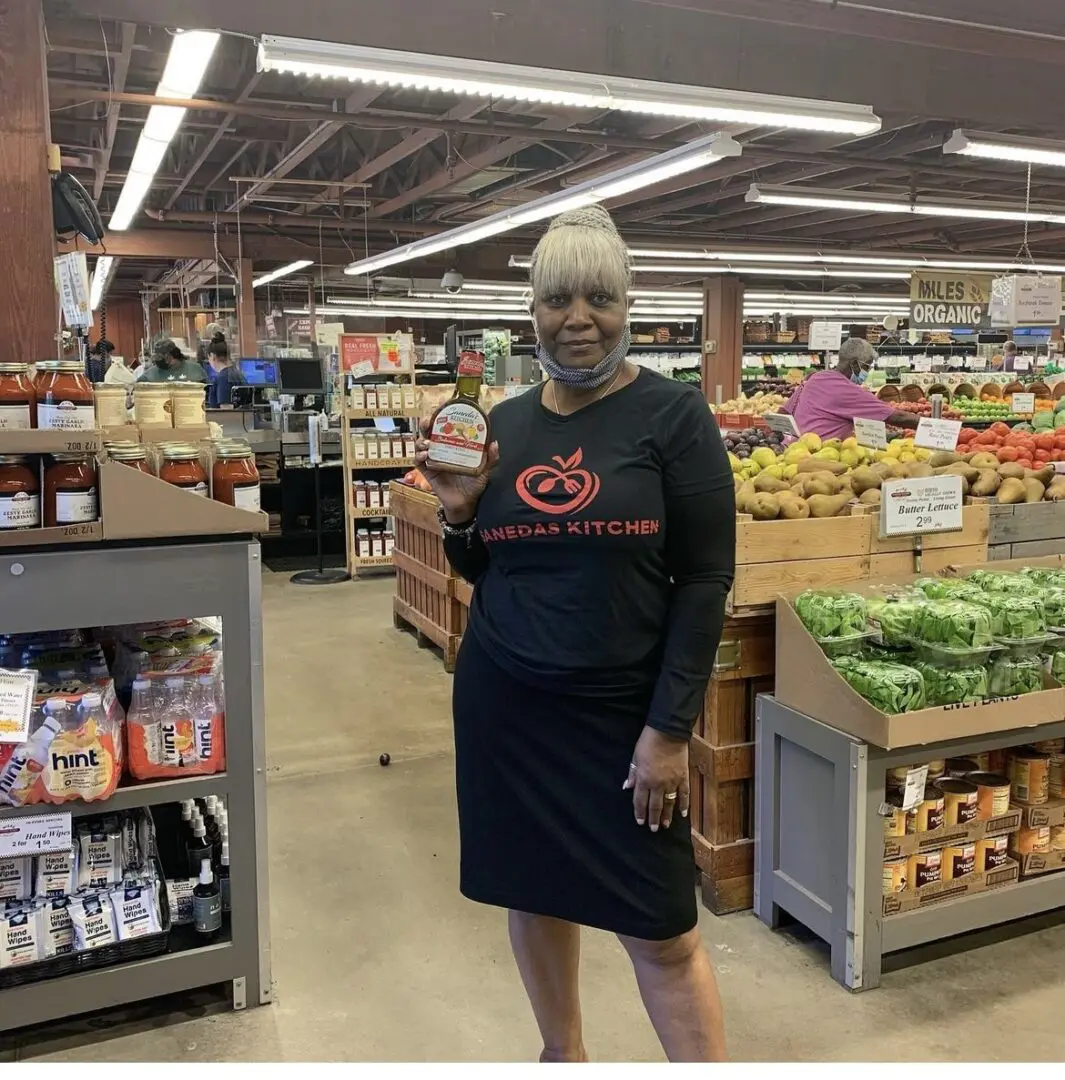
x=951 y=686
x=1015 y=618
x=1027 y=448
x=757 y=404
x=740 y=444
x=924 y=408
x=895 y=618
x=891 y=688
x=1013 y=675
x=832 y=614
x=955 y=624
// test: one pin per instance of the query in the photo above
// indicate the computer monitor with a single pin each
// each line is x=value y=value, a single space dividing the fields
x=259 y=372
x=297 y=375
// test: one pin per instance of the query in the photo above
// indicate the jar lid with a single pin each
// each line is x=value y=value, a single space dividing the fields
x=233 y=450
x=108 y=388
x=13 y=369
x=71 y=366
x=13 y=459
x=47 y=365
x=71 y=457
x=181 y=453
x=127 y=452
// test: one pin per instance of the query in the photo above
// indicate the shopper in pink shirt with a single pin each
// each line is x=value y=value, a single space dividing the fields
x=828 y=402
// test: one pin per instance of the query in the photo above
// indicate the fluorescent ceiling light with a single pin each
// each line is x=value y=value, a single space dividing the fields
x=1006 y=148
x=281 y=271
x=458 y=314
x=869 y=203
x=485 y=78
x=100 y=274
x=699 y=152
x=828 y=298
x=190 y=53
x=730 y=268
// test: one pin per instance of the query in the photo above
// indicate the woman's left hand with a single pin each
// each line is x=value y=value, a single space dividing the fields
x=659 y=769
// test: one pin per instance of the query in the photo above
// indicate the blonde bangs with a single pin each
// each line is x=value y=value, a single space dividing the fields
x=581 y=253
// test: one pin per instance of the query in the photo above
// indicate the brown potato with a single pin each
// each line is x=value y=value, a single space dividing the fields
x=1011 y=469
x=765 y=482
x=743 y=496
x=863 y=478
x=1055 y=490
x=942 y=458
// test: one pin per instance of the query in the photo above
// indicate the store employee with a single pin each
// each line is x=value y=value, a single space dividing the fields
x=828 y=402
x=169 y=365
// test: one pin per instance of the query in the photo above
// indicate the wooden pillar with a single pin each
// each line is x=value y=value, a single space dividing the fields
x=28 y=304
x=312 y=315
x=246 y=309
x=722 y=336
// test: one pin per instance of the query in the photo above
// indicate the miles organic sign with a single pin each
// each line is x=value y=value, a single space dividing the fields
x=939 y=301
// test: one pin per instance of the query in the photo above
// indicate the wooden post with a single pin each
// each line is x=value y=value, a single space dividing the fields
x=722 y=336
x=246 y=309
x=28 y=300
x=312 y=315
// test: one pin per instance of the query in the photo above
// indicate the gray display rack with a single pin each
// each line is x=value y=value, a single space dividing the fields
x=115 y=583
x=819 y=842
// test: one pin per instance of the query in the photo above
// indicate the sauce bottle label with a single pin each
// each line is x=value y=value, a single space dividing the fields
x=66 y=416
x=459 y=436
x=247 y=497
x=14 y=418
x=72 y=507
x=20 y=511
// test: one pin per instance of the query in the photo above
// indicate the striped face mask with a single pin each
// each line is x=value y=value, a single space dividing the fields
x=586 y=378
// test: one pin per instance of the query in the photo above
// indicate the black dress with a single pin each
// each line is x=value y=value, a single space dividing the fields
x=604 y=551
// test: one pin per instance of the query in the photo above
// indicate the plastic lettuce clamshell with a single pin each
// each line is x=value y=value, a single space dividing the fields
x=951 y=686
x=1054 y=605
x=950 y=589
x=831 y=614
x=891 y=688
x=1015 y=618
x=1057 y=665
x=1002 y=581
x=955 y=623
x=894 y=619
x=1010 y=675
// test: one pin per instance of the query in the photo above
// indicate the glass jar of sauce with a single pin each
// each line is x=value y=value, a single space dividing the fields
x=64 y=397
x=111 y=409
x=181 y=467
x=18 y=399
x=70 y=490
x=132 y=454
x=20 y=498
x=187 y=404
x=151 y=403
x=236 y=479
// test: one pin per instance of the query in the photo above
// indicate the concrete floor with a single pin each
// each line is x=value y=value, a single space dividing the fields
x=376 y=956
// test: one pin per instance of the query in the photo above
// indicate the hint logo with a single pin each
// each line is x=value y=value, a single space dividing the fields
x=78 y=760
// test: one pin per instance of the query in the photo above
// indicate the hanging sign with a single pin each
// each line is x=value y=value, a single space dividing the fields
x=1026 y=300
x=943 y=300
x=782 y=422
x=937 y=434
x=72 y=281
x=825 y=335
x=871 y=433
x=926 y=505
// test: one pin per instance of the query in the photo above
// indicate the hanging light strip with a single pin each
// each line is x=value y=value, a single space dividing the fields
x=282 y=271
x=981 y=144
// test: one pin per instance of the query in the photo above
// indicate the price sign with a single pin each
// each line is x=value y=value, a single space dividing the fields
x=1022 y=403
x=922 y=363
x=34 y=834
x=871 y=433
x=927 y=505
x=913 y=792
x=1022 y=363
x=753 y=361
x=825 y=335
x=16 y=704
x=977 y=363
x=782 y=422
x=937 y=434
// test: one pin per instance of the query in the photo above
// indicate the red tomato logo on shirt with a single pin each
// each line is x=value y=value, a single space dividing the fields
x=576 y=487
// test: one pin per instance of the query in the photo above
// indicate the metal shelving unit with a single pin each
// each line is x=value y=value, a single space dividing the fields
x=819 y=847
x=123 y=582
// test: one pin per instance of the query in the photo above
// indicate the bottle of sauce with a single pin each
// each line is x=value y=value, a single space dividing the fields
x=135 y=455
x=70 y=490
x=65 y=399
x=18 y=399
x=20 y=498
x=235 y=477
x=459 y=431
x=181 y=467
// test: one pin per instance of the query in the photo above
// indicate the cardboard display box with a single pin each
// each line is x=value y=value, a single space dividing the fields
x=895 y=847
x=943 y=891
x=1041 y=862
x=807 y=681
x=1050 y=813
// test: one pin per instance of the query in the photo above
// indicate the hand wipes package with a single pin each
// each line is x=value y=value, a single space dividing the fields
x=136 y=909
x=16 y=878
x=57 y=931
x=57 y=873
x=94 y=922
x=19 y=939
x=100 y=856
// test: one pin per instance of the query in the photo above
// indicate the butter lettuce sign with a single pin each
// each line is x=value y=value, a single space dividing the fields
x=939 y=301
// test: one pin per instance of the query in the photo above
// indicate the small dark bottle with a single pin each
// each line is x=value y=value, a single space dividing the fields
x=198 y=847
x=207 y=904
x=223 y=877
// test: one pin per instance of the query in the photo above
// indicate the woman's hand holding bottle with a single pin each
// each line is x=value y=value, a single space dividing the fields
x=458 y=493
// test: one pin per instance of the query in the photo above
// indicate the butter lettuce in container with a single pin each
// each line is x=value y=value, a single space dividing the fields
x=954 y=623
x=1057 y=665
x=1017 y=621
x=893 y=619
x=1054 y=604
x=1013 y=675
x=949 y=589
x=1001 y=581
x=836 y=620
x=950 y=685
x=1046 y=577
x=891 y=688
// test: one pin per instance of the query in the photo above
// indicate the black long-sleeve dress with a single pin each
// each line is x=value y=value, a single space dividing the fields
x=603 y=553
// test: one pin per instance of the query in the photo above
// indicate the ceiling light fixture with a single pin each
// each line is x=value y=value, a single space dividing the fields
x=1006 y=148
x=101 y=274
x=861 y=202
x=693 y=155
x=730 y=268
x=458 y=314
x=190 y=53
x=282 y=271
x=572 y=89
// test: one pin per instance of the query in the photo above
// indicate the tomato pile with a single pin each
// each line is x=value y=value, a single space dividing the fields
x=924 y=408
x=1026 y=448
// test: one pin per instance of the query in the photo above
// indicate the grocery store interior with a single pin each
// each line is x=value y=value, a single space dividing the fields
x=255 y=248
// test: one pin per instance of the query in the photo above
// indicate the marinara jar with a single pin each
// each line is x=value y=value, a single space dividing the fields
x=235 y=477
x=70 y=490
x=181 y=467
x=64 y=397
x=18 y=399
x=20 y=496
x=132 y=454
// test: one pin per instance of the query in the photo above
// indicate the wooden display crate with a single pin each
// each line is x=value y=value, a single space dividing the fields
x=1026 y=530
x=425 y=599
x=722 y=763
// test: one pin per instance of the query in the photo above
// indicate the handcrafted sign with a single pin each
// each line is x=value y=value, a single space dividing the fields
x=782 y=422
x=937 y=434
x=825 y=335
x=34 y=834
x=945 y=300
x=871 y=433
x=926 y=505
x=1026 y=300
x=16 y=704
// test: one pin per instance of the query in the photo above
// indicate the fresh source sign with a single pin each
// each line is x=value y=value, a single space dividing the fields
x=940 y=301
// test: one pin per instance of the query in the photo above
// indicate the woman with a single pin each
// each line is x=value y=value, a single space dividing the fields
x=220 y=392
x=601 y=542
x=830 y=401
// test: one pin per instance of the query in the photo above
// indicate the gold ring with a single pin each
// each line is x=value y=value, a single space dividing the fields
x=670 y=797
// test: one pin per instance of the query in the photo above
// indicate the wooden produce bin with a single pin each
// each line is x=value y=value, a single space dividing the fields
x=722 y=763
x=426 y=586
x=1026 y=530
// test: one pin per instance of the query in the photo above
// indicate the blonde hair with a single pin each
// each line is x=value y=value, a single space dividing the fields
x=581 y=251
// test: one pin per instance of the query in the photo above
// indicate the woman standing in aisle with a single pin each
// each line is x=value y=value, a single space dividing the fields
x=601 y=541
x=829 y=402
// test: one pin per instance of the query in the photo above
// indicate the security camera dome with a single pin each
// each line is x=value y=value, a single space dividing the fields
x=452 y=281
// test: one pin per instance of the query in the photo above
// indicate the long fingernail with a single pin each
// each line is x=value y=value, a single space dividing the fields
x=654 y=828
x=639 y=821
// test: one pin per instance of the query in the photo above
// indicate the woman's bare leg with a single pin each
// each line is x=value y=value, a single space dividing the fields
x=680 y=994
x=548 y=953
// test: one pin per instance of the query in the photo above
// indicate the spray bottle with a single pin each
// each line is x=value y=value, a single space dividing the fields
x=207 y=904
x=223 y=876
x=198 y=847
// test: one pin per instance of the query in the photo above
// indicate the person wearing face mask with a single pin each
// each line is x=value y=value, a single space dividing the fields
x=169 y=364
x=829 y=402
x=601 y=543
